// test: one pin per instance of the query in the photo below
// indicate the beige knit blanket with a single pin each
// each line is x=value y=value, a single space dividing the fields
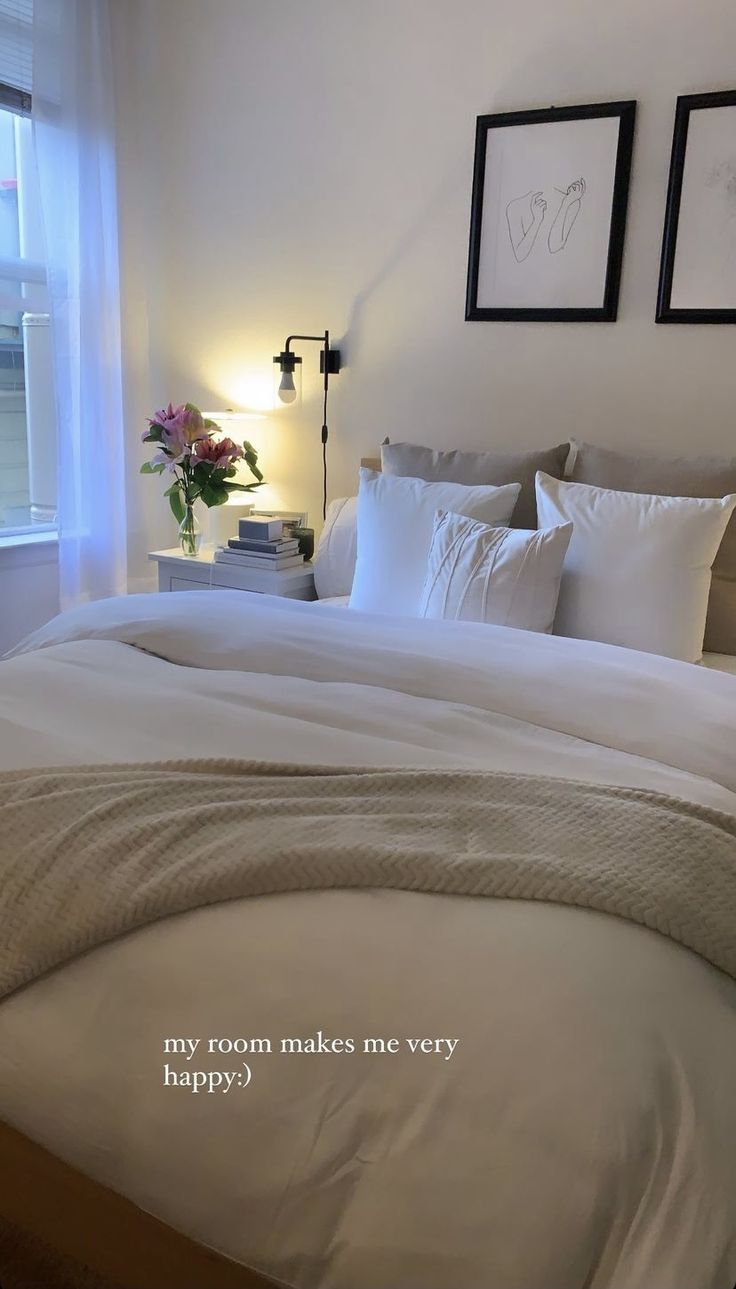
x=90 y=853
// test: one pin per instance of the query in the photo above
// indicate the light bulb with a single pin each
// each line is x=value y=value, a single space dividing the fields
x=287 y=388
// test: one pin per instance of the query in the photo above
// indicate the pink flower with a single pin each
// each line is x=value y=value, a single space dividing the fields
x=182 y=427
x=222 y=453
x=168 y=416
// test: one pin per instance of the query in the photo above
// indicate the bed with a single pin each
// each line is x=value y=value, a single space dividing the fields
x=581 y=1129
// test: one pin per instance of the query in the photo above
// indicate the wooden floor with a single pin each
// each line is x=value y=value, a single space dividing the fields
x=59 y=1230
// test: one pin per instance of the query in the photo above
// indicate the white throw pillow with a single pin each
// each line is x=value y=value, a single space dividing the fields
x=637 y=570
x=506 y=576
x=334 y=558
x=395 y=524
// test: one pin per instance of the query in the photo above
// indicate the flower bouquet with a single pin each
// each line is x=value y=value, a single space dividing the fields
x=203 y=465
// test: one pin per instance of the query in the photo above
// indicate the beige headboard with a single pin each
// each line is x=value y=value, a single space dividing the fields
x=371 y=463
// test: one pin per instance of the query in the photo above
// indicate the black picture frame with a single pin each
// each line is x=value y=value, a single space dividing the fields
x=625 y=110
x=686 y=105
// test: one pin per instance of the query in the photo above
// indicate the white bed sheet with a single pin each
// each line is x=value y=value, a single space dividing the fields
x=584 y=1132
x=714 y=661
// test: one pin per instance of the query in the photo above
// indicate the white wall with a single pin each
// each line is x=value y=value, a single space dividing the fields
x=312 y=167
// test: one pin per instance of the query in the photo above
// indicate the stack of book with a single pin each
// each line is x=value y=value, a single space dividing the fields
x=261 y=544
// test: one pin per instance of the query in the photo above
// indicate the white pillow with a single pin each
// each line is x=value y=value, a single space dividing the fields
x=507 y=576
x=334 y=558
x=637 y=570
x=395 y=524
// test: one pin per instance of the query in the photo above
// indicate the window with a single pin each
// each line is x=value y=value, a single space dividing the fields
x=27 y=426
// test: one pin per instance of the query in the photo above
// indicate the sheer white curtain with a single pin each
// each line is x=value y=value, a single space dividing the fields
x=74 y=131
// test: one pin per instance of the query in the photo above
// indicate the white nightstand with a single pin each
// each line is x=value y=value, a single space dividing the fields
x=177 y=572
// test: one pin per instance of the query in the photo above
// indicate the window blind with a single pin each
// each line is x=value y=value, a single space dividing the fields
x=16 y=54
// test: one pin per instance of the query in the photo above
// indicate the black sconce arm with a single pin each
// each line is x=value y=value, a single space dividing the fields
x=329 y=359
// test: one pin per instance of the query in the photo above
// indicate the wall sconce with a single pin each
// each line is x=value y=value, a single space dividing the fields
x=329 y=365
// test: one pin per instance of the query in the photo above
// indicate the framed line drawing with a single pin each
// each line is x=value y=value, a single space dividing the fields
x=548 y=216
x=697 y=277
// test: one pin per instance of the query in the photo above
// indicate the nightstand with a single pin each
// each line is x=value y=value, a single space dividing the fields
x=177 y=572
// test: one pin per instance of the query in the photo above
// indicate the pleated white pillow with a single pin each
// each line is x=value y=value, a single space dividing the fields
x=509 y=577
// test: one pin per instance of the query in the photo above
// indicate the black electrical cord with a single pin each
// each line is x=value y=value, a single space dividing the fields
x=324 y=453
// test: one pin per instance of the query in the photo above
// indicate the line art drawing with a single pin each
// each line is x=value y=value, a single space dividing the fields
x=525 y=216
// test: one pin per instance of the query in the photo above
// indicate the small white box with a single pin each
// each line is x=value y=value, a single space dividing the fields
x=264 y=528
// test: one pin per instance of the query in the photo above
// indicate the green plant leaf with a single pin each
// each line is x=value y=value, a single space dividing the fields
x=244 y=487
x=154 y=434
x=148 y=467
x=214 y=495
x=176 y=503
x=251 y=457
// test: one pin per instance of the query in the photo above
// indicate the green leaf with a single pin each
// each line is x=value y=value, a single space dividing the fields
x=244 y=487
x=154 y=434
x=214 y=495
x=176 y=503
x=251 y=457
x=149 y=468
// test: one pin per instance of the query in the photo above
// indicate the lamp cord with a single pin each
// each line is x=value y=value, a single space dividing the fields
x=324 y=452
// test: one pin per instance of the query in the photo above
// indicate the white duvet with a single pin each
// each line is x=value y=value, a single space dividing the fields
x=582 y=1131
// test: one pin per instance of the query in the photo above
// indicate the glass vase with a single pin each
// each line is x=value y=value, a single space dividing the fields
x=190 y=532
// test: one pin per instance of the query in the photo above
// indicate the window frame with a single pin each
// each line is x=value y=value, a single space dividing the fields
x=15 y=100
x=19 y=103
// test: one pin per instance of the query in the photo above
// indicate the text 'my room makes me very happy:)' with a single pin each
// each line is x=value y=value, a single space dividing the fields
x=196 y=1080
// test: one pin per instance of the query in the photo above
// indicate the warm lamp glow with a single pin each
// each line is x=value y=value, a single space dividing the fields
x=250 y=389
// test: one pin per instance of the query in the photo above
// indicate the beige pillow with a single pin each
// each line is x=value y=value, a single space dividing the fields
x=410 y=460
x=677 y=477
